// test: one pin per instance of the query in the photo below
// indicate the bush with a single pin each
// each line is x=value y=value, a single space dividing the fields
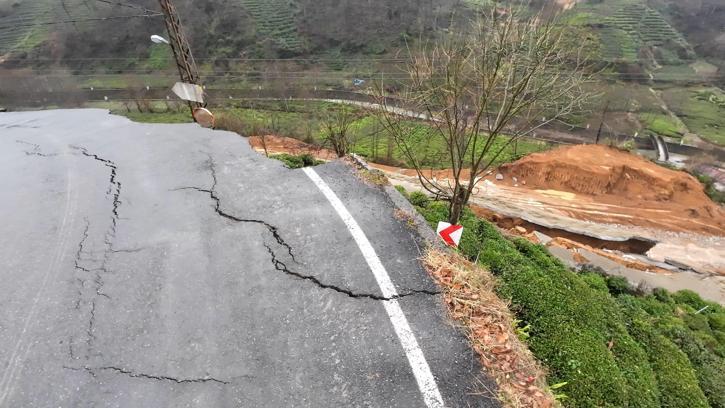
x=676 y=379
x=619 y=285
x=576 y=331
x=697 y=322
x=690 y=298
x=611 y=344
x=308 y=160
x=419 y=199
x=296 y=162
x=710 y=368
x=595 y=281
x=716 y=321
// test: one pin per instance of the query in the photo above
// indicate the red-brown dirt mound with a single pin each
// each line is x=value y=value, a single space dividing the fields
x=613 y=175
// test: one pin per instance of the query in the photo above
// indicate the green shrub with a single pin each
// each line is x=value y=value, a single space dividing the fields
x=663 y=296
x=595 y=281
x=690 y=298
x=613 y=346
x=308 y=160
x=697 y=322
x=419 y=199
x=716 y=321
x=296 y=162
x=676 y=379
x=619 y=285
x=709 y=367
x=575 y=330
x=710 y=189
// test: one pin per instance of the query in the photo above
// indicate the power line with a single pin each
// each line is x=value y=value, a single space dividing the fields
x=82 y=20
x=128 y=5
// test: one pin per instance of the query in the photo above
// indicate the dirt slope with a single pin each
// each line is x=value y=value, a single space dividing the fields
x=616 y=177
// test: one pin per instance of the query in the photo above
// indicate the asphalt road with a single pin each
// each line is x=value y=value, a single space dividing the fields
x=172 y=266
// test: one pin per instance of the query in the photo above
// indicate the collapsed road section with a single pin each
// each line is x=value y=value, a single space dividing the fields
x=195 y=270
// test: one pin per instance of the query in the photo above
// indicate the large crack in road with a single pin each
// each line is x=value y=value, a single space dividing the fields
x=93 y=275
x=276 y=262
x=93 y=372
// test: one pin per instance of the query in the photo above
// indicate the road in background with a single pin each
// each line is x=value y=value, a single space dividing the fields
x=168 y=265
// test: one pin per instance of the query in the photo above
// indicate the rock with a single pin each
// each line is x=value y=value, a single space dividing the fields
x=520 y=229
x=499 y=177
x=3 y=109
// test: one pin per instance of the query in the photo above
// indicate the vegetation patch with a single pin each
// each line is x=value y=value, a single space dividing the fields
x=701 y=109
x=296 y=162
x=610 y=345
x=275 y=20
x=470 y=293
x=661 y=124
x=305 y=121
x=711 y=191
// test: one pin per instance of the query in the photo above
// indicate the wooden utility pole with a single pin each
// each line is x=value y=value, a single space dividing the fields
x=188 y=71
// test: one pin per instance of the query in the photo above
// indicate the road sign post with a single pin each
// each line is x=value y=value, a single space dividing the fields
x=451 y=234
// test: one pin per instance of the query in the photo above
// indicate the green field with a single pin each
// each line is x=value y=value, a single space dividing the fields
x=304 y=121
x=701 y=109
x=663 y=125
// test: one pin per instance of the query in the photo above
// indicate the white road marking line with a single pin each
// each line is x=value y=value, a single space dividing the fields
x=421 y=370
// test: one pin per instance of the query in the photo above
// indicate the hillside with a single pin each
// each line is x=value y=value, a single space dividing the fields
x=663 y=60
x=218 y=28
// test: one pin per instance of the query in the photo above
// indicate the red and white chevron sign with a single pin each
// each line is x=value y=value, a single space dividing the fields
x=451 y=234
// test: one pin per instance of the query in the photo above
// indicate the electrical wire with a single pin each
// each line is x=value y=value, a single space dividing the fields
x=128 y=5
x=82 y=20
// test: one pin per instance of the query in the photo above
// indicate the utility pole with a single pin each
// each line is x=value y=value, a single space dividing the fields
x=188 y=71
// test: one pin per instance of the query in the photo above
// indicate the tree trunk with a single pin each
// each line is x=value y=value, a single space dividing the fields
x=458 y=203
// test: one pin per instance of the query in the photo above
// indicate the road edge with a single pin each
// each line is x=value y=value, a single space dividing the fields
x=401 y=203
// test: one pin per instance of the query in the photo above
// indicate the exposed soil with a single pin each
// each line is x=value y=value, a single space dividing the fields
x=586 y=182
x=522 y=227
x=280 y=144
x=625 y=183
x=606 y=171
x=585 y=191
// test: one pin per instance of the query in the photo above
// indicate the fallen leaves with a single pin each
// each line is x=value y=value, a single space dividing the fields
x=469 y=294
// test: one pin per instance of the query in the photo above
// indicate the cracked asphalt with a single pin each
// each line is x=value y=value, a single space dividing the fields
x=169 y=265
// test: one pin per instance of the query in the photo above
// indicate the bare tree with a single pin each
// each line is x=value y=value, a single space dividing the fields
x=337 y=129
x=480 y=90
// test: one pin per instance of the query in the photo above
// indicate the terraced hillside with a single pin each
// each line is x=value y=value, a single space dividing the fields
x=627 y=27
x=275 y=21
x=28 y=24
x=18 y=31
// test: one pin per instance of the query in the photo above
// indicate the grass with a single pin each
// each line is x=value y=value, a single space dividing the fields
x=304 y=121
x=612 y=346
x=168 y=117
x=661 y=124
x=712 y=192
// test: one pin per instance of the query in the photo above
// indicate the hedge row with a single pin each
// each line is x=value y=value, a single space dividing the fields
x=612 y=347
